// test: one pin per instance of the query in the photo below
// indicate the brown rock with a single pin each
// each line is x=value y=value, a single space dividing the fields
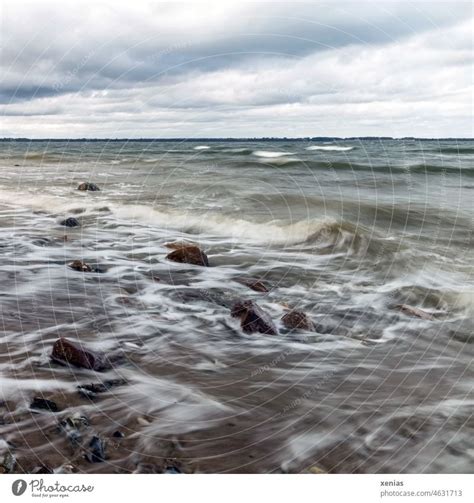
x=297 y=320
x=66 y=351
x=79 y=265
x=88 y=186
x=254 y=284
x=253 y=318
x=189 y=255
x=414 y=311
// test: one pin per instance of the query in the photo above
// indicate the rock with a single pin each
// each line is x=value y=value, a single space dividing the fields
x=43 y=404
x=96 y=452
x=71 y=426
x=74 y=422
x=189 y=255
x=174 y=470
x=253 y=318
x=88 y=186
x=414 y=311
x=79 y=265
x=297 y=320
x=254 y=284
x=7 y=465
x=70 y=222
x=66 y=351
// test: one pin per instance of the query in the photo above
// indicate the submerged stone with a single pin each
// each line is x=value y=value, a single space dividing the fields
x=66 y=351
x=297 y=320
x=70 y=222
x=189 y=255
x=253 y=318
x=253 y=283
x=96 y=452
x=79 y=265
x=43 y=404
x=88 y=186
x=7 y=465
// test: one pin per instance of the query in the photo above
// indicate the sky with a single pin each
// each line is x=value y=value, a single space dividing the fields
x=140 y=69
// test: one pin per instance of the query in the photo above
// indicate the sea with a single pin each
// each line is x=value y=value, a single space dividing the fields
x=371 y=238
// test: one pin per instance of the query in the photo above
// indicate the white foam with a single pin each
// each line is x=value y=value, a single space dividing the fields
x=328 y=148
x=274 y=232
x=270 y=154
x=202 y=147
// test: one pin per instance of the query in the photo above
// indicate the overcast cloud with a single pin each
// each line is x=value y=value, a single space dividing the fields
x=150 y=69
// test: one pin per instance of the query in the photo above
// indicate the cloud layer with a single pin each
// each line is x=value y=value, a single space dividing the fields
x=108 y=69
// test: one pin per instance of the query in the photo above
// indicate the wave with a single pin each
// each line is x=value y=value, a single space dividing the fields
x=269 y=154
x=280 y=161
x=433 y=168
x=274 y=232
x=321 y=236
x=235 y=229
x=329 y=148
x=455 y=150
x=242 y=150
x=202 y=147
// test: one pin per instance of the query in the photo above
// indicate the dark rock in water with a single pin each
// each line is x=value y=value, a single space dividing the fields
x=74 y=422
x=189 y=255
x=66 y=351
x=297 y=320
x=71 y=426
x=88 y=186
x=7 y=464
x=172 y=470
x=118 y=434
x=414 y=311
x=43 y=404
x=253 y=318
x=96 y=452
x=74 y=437
x=254 y=284
x=79 y=265
x=70 y=222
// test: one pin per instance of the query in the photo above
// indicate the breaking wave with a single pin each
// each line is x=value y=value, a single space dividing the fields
x=329 y=148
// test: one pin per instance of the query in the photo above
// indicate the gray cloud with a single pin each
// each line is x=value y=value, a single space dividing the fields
x=154 y=69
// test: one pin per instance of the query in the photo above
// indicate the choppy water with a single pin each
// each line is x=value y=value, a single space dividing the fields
x=342 y=230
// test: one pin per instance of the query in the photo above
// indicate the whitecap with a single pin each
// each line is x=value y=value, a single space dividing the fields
x=202 y=147
x=270 y=154
x=331 y=147
x=235 y=229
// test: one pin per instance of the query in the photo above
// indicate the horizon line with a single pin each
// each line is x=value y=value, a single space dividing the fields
x=236 y=138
